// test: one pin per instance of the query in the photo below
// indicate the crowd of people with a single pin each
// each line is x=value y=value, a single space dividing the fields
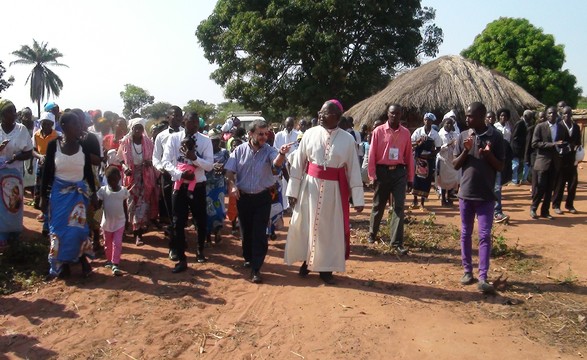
x=95 y=176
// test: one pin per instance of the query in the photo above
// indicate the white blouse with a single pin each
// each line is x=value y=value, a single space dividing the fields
x=69 y=167
x=20 y=141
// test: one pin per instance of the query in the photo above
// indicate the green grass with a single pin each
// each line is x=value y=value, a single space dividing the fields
x=23 y=264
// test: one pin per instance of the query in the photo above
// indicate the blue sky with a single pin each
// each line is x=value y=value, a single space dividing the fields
x=151 y=44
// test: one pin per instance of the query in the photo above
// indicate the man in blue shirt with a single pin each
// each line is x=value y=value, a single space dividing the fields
x=250 y=171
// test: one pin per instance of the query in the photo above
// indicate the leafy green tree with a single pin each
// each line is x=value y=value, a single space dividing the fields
x=204 y=109
x=156 y=110
x=4 y=84
x=225 y=109
x=43 y=81
x=277 y=55
x=527 y=56
x=134 y=99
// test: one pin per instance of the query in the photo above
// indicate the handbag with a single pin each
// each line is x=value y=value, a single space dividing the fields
x=579 y=154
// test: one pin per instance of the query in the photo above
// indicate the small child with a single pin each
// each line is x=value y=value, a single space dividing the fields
x=114 y=220
x=187 y=144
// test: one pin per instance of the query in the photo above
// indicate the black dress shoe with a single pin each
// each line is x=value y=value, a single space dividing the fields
x=371 y=239
x=327 y=277
x=547 y=216
x=256 y=277
x=572 y=210
x=304 y=270
x=180 y=267
x=247 y=264
x=533 y=214
x=401 y=250
x=200 y=258
x=173 y=255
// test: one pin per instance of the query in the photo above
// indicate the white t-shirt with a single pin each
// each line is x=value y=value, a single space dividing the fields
x=113 y=218
x=20 y=140
x=421 y=132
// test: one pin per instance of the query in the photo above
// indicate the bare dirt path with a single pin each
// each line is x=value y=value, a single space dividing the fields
x=383 y=307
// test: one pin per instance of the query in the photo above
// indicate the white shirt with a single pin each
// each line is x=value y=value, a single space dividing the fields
x=159 y=147
x=552 y=130
x=282 y=138
x=172 y=155
x=69 y=167
x=421 y=132
x=113 y=218
x=20 y=141
x=505 y=130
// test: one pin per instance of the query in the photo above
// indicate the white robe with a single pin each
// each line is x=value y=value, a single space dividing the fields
x=446 y=176
x=316 y=231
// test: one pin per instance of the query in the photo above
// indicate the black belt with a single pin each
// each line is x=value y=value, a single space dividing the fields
x=198 y=185
x=391 y=167
x=269 y=189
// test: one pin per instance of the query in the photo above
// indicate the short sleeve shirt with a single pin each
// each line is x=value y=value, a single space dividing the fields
x=113 y=218
x=478 y=176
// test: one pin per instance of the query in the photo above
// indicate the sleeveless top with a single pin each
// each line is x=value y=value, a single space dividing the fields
x=69 y=167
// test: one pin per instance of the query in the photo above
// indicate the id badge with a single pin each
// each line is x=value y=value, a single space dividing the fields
x=394 y=154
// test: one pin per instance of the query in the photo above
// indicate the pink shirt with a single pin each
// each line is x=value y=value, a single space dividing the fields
x=383 y=140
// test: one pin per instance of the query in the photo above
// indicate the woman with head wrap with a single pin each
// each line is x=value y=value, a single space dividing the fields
x=426 y=143
x=136 y=153
x=67 y=175
x=16 y=146
x=216 y=189
x=447 y=178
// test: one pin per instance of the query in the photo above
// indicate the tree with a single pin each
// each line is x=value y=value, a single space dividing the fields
x=156 y=110
x=277 y=55
x=205 y=110
x=225 y=109
x=4 y=84
x=43 y=80
x=134 y=99
x=527 y=56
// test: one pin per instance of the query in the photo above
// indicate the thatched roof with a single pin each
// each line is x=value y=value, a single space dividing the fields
x=449 y=82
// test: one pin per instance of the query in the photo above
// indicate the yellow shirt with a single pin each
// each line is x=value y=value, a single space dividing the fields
x=41 y=141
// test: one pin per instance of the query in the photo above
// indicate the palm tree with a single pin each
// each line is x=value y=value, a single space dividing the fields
x=43 y=80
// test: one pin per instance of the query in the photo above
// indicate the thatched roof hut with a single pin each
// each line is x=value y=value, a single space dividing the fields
x=449 y=82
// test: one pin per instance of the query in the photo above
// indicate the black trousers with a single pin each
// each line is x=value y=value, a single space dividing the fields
x=543 y=182
x=185 y=201
x=253 y=214
x=566 y=175
x=165 y=201
x=390 y=182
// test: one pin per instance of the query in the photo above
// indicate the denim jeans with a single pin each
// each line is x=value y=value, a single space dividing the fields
x=497 y=192
x=483 y=210
x=516 y=170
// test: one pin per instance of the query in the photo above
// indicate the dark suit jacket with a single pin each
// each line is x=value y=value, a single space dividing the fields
x=546 y=153
x=519 y=139
x=568 y=160
x=530 y=152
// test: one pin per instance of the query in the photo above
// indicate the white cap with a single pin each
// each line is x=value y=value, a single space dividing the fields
x=47 y=116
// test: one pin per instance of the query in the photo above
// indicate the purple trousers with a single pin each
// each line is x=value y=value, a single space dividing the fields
x=484 y=212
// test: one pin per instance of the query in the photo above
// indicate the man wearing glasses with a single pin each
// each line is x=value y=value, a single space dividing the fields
x=250 y=171
x=391 y=169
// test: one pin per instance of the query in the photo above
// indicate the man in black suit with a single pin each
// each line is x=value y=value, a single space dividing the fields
x=550 y=139
x=568 y=168
x=518 y=143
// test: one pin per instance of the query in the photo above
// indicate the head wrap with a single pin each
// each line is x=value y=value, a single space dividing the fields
x=136 y=121
x=227 y=126
x=5 y=104
x=47 y=116
x=101 y=120
x=450 y=114
x=430 y=116
x=337 y=103
x=49 y=106
x=202 y=123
